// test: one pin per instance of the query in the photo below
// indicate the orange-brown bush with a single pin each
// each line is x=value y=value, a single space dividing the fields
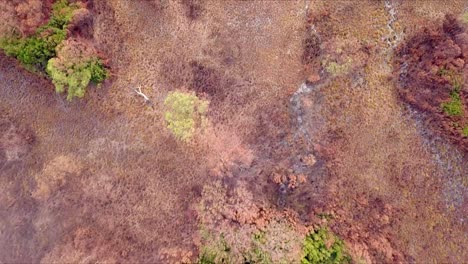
x=32 y=14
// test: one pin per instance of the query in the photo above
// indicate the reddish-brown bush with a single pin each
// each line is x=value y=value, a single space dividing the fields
x=29 y=14
x=432 y=65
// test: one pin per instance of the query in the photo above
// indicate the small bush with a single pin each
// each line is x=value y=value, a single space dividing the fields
x=336 y=69
x=323 y=247
x=185 y=112
x=454 y=107
x=465 y=131
x=465 y=17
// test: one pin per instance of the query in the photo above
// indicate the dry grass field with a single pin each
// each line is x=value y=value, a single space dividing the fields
x=306 y=128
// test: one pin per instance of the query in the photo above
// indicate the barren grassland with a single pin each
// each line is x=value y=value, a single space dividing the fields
x=306 y=129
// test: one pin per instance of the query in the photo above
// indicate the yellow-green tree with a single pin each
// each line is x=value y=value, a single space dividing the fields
x=75 y=66
x=185 y=112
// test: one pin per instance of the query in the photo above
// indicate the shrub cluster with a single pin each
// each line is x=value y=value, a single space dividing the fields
x=48 y=51
x=323 y=247
x=454 y=107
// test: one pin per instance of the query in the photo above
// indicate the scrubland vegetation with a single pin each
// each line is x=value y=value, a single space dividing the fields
x=270 y=132
x=70 y=64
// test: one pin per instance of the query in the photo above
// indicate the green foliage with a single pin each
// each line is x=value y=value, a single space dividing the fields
x=62 y=13
x=454 y=107
x=257 y=256
x=76 y=77
x=325 y=216
x=316 y=249
x=336 y=69
x=465 y=17
x=207 y=258
x=455 y=78
x=98 y=71
x=215 y=253
x=35 y=51
x=465 y=131
x=443 y=72
x=185 y=112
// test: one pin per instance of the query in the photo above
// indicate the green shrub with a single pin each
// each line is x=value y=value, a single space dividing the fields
x=207 y=257
x=336 y=69
x=33 y=52
x=216 y=252
x=465 y=131
x=185 y=112
x=62 y=13
x=258 y=256
x=316 y=249
x=98 y=71
x=76 y=78
x=454 y=107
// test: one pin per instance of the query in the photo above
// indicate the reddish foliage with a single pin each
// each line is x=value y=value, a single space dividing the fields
x=82 y=23
x=31 y=14
x=421 y=62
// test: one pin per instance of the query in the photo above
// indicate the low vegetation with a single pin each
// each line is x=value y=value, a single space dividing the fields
x=215 y=253
x=46 y=52
x=335 y=69
x=454 y=107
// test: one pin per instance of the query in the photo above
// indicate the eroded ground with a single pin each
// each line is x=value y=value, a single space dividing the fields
x=307 y=129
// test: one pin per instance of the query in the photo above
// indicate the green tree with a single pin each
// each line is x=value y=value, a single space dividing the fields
x=74 y=68
x=323 y=247
x=185 y=112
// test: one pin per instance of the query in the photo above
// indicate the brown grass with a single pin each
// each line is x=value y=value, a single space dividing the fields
x=126 y=190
